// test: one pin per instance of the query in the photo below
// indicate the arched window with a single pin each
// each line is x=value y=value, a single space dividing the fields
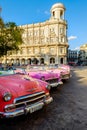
x=17 y=62
x=53 y=13
x=23 y=61
x=12 y=61
x=61 y=60
x=29 y=61
x=42 y=61
x=35 y=61
x=52 y=60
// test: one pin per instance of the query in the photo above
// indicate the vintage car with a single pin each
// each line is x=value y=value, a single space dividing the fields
x=39 y=72
x=66 y=67
x=64 y=72
x=21 y=94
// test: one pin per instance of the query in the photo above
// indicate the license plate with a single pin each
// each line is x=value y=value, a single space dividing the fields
x=36 y=107
x=65 y=77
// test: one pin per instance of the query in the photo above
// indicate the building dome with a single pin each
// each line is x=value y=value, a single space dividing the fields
x=58 y=5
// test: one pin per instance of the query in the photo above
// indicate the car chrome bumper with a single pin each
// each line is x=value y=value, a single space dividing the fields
x=27 y=109
x=66 y=77
x=56 y=84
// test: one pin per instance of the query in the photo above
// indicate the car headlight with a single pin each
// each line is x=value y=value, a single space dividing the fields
x=48 y=87
x=7 y=97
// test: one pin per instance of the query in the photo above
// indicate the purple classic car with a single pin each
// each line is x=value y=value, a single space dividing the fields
x=21 y=94
x=53 y=78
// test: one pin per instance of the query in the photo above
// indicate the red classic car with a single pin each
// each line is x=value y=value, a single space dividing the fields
x=20 y=94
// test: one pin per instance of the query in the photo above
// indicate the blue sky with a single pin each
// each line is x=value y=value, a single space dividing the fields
x=32 y=11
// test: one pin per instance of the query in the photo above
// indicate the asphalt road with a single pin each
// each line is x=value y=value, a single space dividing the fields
x=68 y=111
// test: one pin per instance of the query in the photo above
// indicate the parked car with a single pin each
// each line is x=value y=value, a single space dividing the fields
x=39 y=72
x=72 y=63
x=63 y=71
x=65 y=74
x=66 y=67
x=21 y=94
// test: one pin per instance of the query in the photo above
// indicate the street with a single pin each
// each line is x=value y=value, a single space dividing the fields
x=68 y=111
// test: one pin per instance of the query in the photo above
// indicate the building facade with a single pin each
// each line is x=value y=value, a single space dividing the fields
x=83 y=54
x=73 y=55
x=44 y=43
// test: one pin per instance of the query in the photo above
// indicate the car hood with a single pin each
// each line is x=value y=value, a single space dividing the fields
x=19 y=85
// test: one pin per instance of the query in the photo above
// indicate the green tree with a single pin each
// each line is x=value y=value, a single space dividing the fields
x=10 y=37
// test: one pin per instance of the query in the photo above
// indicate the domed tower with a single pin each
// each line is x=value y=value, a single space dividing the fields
x=58 y=24
x=57 y=11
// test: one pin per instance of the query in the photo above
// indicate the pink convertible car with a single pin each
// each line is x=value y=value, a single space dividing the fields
x=64 y=71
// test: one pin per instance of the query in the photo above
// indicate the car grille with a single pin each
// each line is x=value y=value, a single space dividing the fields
x=26 y=100
x=29 y=99
x=65 y=76
x=52 y=80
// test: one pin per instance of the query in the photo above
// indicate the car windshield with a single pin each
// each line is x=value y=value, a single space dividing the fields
x=34 y=68
x=6 y=71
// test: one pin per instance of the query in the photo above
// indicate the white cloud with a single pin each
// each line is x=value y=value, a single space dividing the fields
x=77 y=48
x=45 y=12
x=72 y=37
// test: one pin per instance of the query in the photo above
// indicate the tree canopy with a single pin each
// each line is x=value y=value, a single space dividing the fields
x=10 y=37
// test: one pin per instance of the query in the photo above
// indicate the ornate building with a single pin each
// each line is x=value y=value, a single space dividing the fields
x=73 y=55
x=83 y=54
x=44 y=43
